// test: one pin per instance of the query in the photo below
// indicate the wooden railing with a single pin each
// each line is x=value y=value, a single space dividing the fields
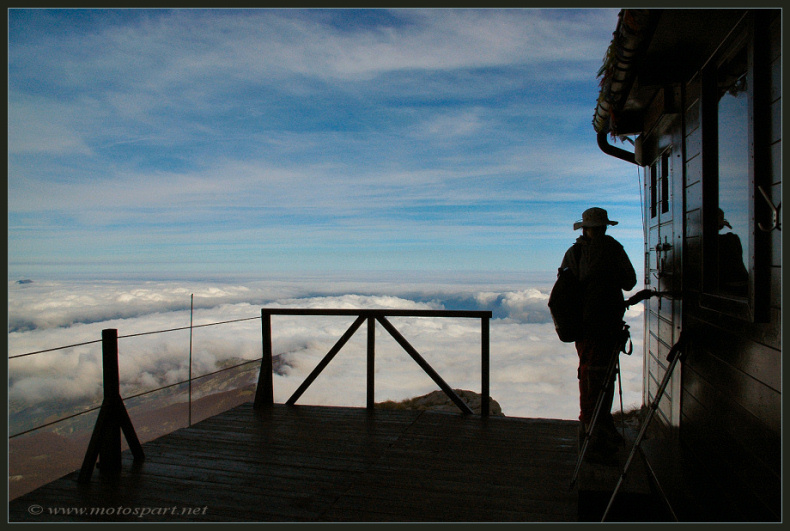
x=113 y=419
x=264 y=395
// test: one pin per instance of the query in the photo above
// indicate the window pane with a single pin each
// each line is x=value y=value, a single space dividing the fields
x=653 y=190
x=665 y=182
x=734 y=226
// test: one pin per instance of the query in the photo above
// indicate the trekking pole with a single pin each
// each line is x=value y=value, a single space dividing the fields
x=610 y=373
x=628 y=351
x=622 y=407
x=676 y=354
x=613 y=364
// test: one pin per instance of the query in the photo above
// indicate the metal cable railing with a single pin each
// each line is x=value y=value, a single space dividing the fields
x=150 y=391
x=134 y=335
x=130 y=397
x=54 y=349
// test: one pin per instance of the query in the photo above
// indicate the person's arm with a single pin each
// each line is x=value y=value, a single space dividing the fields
x=628 y=274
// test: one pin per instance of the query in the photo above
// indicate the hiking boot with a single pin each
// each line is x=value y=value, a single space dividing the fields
x=600 y=440
x=601 y=452
x=611 y=433
x=604 y=431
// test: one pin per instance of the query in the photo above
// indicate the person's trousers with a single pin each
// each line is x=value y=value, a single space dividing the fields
x=594 y=357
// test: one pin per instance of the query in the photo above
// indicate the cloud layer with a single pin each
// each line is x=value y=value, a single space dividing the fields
x=533 y=374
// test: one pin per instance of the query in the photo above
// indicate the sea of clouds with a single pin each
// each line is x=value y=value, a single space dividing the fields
x=533 y=374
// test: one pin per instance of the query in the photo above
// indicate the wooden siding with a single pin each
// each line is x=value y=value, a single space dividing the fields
x=731 y=388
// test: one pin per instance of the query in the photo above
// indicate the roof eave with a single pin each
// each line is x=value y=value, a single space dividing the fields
x=630 y=41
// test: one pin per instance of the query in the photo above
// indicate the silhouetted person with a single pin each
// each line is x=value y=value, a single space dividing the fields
x=604 y=271
x=733 y=276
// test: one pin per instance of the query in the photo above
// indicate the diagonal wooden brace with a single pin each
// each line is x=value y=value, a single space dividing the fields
x=424 y=364
x=324 y=362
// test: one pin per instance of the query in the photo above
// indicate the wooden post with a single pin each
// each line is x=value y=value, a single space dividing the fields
x=191 y=315
x=110 y=448
x=109 y=359
x=485 y=370
x=264 y=394
x=113 y=418
x=371 y=361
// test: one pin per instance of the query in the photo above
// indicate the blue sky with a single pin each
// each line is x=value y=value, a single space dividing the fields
x=171 y=143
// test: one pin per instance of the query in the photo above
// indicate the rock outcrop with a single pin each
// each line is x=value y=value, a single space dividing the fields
x=439 y=401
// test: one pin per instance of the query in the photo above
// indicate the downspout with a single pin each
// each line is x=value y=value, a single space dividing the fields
x=614 y=151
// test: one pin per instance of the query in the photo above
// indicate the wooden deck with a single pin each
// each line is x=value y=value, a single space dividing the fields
x=329 y=464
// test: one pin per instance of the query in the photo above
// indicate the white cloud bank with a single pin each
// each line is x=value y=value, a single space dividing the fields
x=533 y=374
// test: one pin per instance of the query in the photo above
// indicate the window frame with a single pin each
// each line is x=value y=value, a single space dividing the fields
x=659 y=186
x=664 y=180
x=712 y=297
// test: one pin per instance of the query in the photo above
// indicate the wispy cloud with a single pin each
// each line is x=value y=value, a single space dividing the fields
x=228 y=131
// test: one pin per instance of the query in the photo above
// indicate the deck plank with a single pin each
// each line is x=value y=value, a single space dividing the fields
x=311 y=463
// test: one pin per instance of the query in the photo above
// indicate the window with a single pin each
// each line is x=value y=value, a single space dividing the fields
x=659 y=185
x=665 y=182
x=653 y=190
x=728 y=181
x=733 y=223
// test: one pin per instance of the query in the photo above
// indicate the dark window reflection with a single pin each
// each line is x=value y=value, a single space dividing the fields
x=734 y=223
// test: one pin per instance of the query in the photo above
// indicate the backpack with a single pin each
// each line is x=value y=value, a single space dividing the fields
x=566 y=303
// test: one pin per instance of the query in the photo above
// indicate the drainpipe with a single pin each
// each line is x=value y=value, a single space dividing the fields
x=614 y=151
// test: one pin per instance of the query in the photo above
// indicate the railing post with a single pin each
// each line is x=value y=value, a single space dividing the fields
x=113 y=418
x=371 y=361
x=109 y=360
x=110 y=449
x=485 y=370
x=264 y=394
x=191 y=320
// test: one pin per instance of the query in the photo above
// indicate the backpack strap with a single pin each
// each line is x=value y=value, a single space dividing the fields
x=576 y=249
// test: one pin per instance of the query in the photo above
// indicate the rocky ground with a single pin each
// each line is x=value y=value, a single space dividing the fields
x=439 y=401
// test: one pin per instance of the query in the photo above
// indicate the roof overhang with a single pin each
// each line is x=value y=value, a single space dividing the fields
x=650 y=50
x=629 y=44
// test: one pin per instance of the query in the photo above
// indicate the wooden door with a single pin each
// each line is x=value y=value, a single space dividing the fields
x=663 y=214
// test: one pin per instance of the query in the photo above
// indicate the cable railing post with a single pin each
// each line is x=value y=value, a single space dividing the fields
x=106 y=438
x=110 y=449
x=191 y=315
x=109 y=360
x=264 y=394
x=486 y=367
x=371 y=361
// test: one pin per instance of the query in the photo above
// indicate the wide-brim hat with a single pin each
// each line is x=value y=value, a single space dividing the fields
x=722 y=221
x=594 y=217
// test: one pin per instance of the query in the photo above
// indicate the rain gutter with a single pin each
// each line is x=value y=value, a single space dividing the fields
x=631 y=38
x=614 y=151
